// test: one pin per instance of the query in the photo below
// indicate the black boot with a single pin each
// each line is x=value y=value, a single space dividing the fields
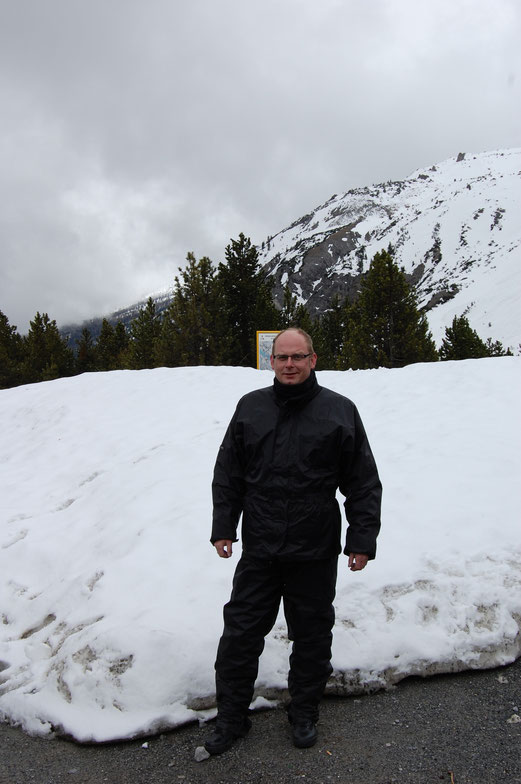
x=224 y=735
x=304 y=733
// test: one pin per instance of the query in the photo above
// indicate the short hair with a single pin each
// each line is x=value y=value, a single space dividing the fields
x=301 y=332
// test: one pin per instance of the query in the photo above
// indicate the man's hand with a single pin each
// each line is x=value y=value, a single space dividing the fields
x=223 y=547
x=357 y=561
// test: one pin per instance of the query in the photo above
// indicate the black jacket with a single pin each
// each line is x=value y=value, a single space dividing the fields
x=286 y=451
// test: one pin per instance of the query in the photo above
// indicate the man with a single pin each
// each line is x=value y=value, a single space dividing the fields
x=286 y=451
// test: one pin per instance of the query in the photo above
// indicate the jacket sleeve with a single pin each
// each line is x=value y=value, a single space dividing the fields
x=228 y=483
x=360 y=483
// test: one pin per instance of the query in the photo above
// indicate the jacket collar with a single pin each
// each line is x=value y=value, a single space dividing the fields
x=295 y=394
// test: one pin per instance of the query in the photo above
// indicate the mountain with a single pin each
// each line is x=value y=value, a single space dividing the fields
x=126 y=315
x=455 y=228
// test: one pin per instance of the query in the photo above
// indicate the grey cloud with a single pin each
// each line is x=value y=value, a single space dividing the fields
x=135 y=132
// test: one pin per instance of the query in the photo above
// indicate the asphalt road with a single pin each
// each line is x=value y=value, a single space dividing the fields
x=462 y=728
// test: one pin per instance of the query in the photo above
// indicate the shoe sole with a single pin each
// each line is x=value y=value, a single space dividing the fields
x=305 y=744
x=214 y=751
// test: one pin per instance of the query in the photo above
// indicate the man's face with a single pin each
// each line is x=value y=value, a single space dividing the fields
x=289 y=371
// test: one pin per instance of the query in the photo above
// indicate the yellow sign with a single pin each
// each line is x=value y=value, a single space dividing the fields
x=264 y=344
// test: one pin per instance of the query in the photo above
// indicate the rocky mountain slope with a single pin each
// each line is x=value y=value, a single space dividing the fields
x=455 y=228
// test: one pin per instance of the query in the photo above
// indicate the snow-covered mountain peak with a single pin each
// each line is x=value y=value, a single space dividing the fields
x=455 y=229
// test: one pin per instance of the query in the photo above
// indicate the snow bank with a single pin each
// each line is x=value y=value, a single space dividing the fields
x=111 y=595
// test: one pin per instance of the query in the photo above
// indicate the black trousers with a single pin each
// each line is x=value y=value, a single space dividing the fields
x=307 y=589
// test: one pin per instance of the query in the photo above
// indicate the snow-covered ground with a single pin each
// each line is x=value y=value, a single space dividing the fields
x=111 y=594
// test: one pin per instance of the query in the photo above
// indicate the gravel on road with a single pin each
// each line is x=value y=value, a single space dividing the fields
x=459 y=729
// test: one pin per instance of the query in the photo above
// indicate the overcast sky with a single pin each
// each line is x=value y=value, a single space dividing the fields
x=134 y=131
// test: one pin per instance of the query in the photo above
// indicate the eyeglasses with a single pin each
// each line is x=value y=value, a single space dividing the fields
x=293 y=357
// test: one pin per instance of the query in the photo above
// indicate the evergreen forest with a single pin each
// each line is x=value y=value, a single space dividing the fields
x=214 y=315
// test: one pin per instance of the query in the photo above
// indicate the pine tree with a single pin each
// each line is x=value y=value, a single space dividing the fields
x=166 y=345
x=105 y=347
x=111 y=347
x=304 y=321
x=463 y=342
x=495 y=349
x=86 y=354
x=287 y=314
x=247 y=300
x=144 y=333
x=193 y=326
x=294 y=315
x=11 y=354
x=385 y=327
x=46 y=354
x=120 y=343
x=331 y=335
